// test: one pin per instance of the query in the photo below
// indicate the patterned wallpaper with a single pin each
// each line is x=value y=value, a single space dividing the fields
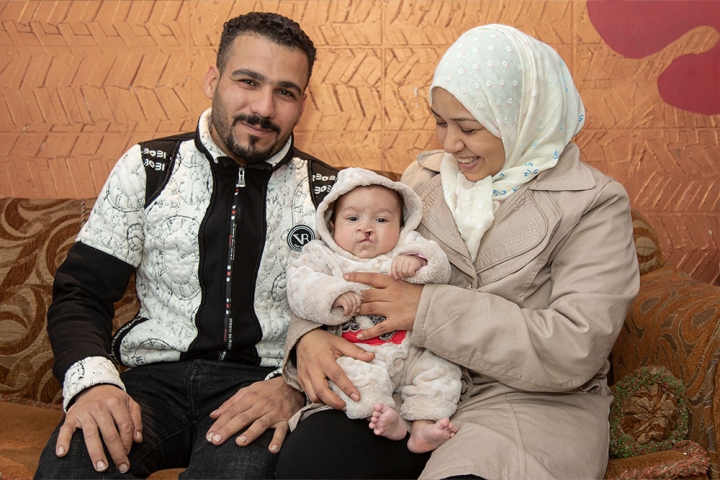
x=82 y=80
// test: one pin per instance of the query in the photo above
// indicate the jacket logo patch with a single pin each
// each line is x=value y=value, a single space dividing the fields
x=299 y=236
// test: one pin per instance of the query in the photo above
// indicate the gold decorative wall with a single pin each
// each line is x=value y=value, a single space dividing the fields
x=82 y=80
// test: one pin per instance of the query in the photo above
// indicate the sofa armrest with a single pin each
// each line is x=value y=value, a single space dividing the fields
x=675 y=322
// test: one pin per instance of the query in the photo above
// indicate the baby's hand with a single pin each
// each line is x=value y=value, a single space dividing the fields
x=349 y=302
x=405 y=266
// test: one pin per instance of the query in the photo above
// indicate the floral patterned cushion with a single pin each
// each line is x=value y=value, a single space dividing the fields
x=35 y=236
x=647 y=244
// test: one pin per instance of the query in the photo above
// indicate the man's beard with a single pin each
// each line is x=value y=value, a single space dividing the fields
x=250 y=154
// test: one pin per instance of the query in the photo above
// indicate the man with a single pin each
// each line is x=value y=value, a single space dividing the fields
x=208 y=229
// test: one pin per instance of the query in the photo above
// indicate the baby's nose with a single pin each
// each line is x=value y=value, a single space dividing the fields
x=366 y=227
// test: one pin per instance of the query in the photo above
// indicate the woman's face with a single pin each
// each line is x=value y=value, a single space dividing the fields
x=479 y=153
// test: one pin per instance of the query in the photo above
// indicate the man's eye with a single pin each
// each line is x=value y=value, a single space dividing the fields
x=247 y=81
x=286 y=93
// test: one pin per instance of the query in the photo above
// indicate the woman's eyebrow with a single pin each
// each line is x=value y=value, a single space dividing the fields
x=456 y=119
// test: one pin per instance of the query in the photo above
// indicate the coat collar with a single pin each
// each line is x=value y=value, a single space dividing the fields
x=442 y=225
x=569 y=174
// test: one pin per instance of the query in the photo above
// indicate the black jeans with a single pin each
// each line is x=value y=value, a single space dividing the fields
x=329 y=445
x=176 y=400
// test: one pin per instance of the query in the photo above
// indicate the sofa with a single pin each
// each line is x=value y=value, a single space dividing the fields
x=674 y=323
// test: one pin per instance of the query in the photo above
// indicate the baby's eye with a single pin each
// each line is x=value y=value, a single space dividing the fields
x=352 y=219
x=381 y=220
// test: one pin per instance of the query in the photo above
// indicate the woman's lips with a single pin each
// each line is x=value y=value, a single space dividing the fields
x=467 y=165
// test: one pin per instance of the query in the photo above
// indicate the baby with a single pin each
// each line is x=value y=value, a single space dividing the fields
x=366 y=224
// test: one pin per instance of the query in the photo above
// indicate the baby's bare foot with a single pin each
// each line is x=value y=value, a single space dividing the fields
x=386 y=422
x=426 y=436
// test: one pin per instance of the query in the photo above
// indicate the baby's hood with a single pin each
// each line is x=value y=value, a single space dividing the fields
x=350 y=178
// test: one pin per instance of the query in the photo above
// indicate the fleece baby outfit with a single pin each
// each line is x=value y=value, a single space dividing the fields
x=429 y=385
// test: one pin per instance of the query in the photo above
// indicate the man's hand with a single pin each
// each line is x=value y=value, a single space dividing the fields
x=106 y=414
x=395 y=300
x=317 y=352
x=262 y=405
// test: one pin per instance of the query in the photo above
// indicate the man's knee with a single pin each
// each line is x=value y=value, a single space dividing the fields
x=75 y=463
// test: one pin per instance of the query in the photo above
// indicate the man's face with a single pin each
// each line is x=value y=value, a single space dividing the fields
x=258 y=99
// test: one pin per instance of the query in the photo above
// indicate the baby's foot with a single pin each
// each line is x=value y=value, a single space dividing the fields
x=426 y=436
x=386 y=422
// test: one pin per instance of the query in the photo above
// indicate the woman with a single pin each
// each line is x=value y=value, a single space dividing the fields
x=544 y=271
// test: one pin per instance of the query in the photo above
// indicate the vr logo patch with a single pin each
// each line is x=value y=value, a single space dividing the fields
x=299 y=236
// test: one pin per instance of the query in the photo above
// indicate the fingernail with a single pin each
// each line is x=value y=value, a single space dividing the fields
x=60 y=451
x=355 y=397
x=274 y=448
x=138 y=435
x=217 y=438
x=242 y=439
x=209 y=436
x=123 y=468
x=100 y=466
x=361 y=336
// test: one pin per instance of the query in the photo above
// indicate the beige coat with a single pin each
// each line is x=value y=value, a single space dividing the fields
x=533 y=322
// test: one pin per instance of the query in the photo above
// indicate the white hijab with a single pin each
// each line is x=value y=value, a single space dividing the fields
x=521 y=91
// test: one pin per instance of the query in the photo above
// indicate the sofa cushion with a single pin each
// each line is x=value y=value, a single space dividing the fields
x=649 y=412
x=35 y=236
x=687 y=461
x=647 y=244
x=675 y=322
x=25 y=427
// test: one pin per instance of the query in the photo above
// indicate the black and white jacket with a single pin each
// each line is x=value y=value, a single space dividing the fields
x=209 y=253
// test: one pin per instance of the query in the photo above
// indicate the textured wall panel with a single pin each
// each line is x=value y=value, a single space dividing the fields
x=83 y=80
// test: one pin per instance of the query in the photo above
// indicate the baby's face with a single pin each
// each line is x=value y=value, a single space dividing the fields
x=367 y=221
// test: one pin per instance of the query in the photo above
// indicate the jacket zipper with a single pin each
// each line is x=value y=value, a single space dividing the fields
x=228 y=321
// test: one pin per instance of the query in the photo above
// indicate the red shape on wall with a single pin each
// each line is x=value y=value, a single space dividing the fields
x=636 y=29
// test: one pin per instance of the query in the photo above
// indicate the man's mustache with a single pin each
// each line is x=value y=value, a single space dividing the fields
x=257 y=121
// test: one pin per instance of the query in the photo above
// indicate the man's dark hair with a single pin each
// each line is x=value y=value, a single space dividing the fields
x=276 y=28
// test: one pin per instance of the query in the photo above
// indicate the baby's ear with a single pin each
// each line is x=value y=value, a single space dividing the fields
x=331 y=226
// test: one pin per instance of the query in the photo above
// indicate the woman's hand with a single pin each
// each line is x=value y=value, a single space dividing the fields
x=395 y=300
x=317 y=352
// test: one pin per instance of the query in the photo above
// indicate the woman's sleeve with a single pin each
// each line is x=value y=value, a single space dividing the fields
x=593 y=280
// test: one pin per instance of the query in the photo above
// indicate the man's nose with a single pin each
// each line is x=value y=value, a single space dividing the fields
x=264 y=103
